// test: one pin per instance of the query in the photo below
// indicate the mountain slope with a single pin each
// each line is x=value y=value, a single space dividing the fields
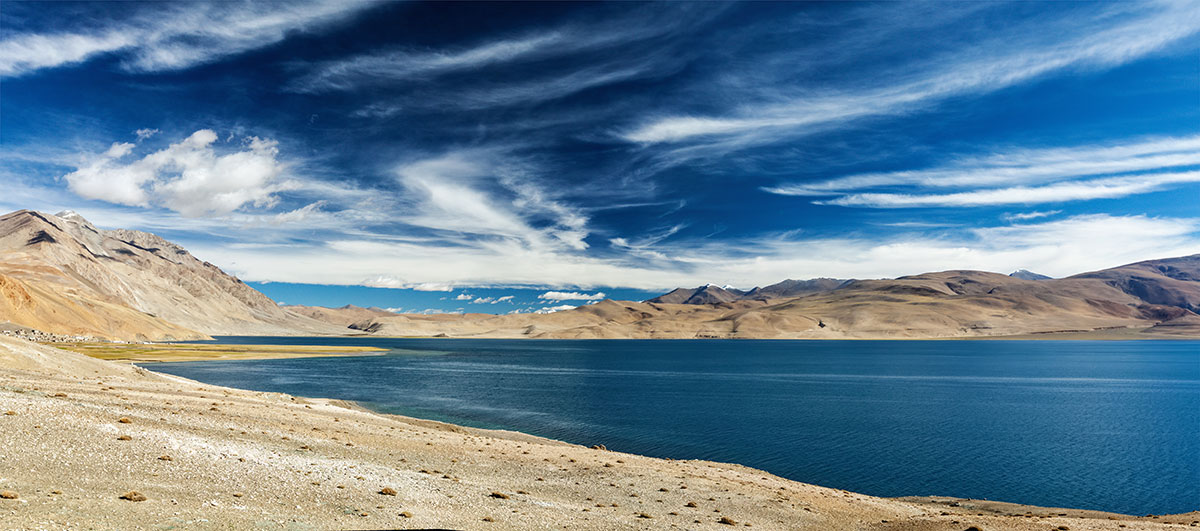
x=1025 y=274
x=63 y=275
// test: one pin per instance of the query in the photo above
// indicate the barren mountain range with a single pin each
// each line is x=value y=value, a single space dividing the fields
x=60 y=274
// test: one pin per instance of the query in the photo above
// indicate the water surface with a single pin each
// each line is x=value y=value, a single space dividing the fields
x=1109 y=425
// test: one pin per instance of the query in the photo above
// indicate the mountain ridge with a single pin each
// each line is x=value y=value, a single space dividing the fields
x=60 y=274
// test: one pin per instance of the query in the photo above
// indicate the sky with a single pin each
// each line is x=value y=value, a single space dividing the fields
x=439 y=157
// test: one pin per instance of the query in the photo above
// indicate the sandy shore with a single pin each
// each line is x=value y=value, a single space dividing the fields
x=83 y=432
x=174 y=352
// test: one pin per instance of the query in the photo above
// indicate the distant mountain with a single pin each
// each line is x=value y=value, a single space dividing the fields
x=710 y=294
x=795 y=288
x=1026 y=274
x=1157 y=298
x=60 y=274
x=707 y=294
x=345 y=315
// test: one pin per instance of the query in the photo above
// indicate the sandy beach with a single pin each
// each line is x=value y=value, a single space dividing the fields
x=86 y=437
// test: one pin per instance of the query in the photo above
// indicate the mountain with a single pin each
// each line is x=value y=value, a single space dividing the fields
x=795 y=288
x=1025 y=274
x=1149 y=299
x=707 y=294
x=60 y=274
x=710 y=294
x=344 y=316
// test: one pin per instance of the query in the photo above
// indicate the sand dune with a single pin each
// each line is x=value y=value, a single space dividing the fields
x=83 y=433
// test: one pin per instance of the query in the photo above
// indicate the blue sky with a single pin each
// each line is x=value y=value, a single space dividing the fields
x=398 y=154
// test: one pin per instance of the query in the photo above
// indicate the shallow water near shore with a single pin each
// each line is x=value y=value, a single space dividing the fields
x=1102 y=425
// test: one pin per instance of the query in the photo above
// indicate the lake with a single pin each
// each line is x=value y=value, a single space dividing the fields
x=1108 y=425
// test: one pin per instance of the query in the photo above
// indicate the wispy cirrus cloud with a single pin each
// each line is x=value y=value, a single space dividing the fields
x=1058 y=248
x=1082 y=190
x=1020 y=176
x=1113 y=36
x=181 y=36
x=1022 y=166
x=470 y=192
x=400 y=65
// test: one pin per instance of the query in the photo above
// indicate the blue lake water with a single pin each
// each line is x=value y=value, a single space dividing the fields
x=1109 y=425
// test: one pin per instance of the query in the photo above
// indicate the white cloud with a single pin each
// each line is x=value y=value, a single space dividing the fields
x=464 y=297
x=394 y=310
x=553 y=309
x=167 y=36
x=506 y=298
x=189 y=177
x=1026 y=216
x=468 y=192
x=484 y=300
x=1053 y=193
x=1059 y=247
x=557 y=296
x=385 y=281
x=1023 y=166
x=143 y=134
x=347 y=73
x=1113 y=37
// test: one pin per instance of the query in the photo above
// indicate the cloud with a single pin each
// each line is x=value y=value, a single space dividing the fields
x=173 y=36
x=1026 y=216
x=464 y=297
x=1059 y=247
x=484 y=300
x=506 y=298
x=1022 y=166
x=394 y=310
x=557 y=296
x=392 y=66
x=553 y=309
x=384 y=281
x=471 y=192
x=1106 y=188
x=189 y=177
x=143 y=134
x=1107 y=38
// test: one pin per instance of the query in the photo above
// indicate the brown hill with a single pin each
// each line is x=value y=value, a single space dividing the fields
x=1155 y=297
x=343 y=316
x=61 y=274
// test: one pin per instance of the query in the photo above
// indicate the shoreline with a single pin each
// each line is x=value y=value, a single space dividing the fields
x=238 y=458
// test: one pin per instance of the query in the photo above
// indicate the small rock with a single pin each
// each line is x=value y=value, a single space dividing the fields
x=124 y=420
x=500 y=495
x=134 y=496
x=488 y=519
x=10 y=412
x=8 y=495
x=387 y=491
x=165 y=458
x=599 y=447
x=124 y=438
x=726 y=520
x=406 y=514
